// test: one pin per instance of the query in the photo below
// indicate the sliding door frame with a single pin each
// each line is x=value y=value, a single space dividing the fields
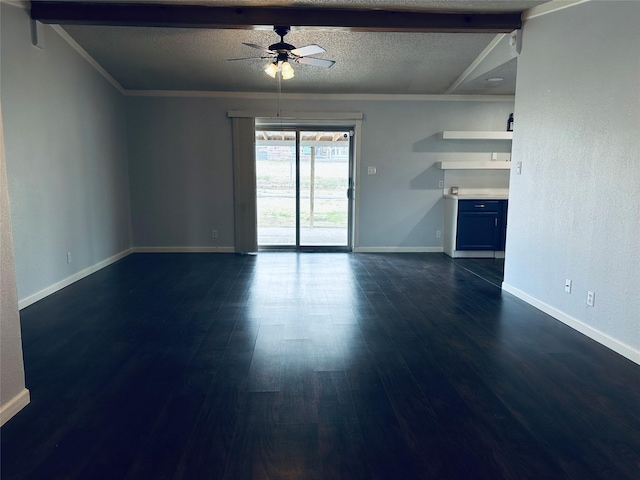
x=353 y=126
x=351 y=174
x=337 y=120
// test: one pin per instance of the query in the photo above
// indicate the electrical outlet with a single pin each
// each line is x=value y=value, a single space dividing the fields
x=591 y=298
x=441 y=184
x=372 y=171
x=214 y=233
x=567 y=285
x=438 y=234
x=68 y=257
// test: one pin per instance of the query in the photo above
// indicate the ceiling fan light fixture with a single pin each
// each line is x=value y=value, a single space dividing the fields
x=280 y=53
x=287 y=71
x=272 y=70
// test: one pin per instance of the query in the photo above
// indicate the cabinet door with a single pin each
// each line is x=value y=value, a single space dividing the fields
x=478 y=230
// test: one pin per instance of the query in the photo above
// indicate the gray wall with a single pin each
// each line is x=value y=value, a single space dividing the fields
x=66 y=157
x=574 y=212
x=402 y=205
x=181 y=172
x=181 y=166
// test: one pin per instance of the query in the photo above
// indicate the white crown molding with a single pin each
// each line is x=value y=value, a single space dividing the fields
x=14 y=405
x=550 y=7
x=596 y=335
x=84 y=54
x=269 y=118
x=201 y=94
x=25 y=5
x=343 y=97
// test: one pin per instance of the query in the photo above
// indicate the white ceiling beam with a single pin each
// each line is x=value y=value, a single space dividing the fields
x=469 y=72
x=550 y=7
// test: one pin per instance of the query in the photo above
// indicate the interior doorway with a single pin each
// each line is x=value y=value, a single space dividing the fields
x=304 y=188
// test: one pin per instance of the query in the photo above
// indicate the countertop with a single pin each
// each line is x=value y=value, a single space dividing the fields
x=470 y=193
x=478 y=196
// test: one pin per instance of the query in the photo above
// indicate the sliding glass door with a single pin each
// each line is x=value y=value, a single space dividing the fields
x=276 y=192
x=324 y=186
x=303 y=180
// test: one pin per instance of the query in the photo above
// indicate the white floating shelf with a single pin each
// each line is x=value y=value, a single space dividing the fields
x=476 y=135
x=474 y=165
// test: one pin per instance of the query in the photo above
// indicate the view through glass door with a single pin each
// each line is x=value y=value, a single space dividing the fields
x=303 y=184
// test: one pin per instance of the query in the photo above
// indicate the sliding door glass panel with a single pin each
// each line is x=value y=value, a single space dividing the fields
x=276 y=187
x=324 y=182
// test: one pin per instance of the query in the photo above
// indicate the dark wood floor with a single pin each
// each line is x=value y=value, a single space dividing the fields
x=310 y=366
x=489 y=269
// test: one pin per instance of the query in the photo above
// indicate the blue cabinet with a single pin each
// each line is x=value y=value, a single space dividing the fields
x=481 y=225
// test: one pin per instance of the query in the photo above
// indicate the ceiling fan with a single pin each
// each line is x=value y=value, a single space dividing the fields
x=281 y=53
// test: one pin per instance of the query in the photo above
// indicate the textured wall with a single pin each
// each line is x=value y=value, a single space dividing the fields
x=574 y=212
x=66 y=153
x=12 y=377
x=181 y=166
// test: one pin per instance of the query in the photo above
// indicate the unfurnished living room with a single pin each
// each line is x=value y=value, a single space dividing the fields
x=387 y=239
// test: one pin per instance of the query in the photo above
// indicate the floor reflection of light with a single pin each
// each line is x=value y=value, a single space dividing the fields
x=315 y=298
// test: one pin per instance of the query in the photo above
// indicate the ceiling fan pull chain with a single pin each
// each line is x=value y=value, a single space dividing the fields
x=279 y=87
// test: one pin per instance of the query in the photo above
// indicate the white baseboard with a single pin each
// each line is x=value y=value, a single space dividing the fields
x=473 y=254
x=602 y=338
x=13 y=406
x=45 y=292
x=398 y=249
x=184 y=249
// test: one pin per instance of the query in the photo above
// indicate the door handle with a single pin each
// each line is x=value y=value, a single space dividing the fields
x=495 y=222
x=479 y=206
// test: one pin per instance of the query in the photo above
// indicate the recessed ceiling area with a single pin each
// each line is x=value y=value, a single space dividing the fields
x=367 y=62
x=482 y=85
x=195 y=59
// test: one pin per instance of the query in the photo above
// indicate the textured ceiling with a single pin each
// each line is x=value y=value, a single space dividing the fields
x=145 y=58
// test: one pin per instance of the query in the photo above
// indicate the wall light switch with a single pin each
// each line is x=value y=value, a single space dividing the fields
x=371 y=170
x=567 y=285
x=519 y=168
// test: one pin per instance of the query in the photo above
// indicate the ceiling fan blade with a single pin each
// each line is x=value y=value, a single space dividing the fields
x=308 y=50
x=316 y=62
x=253 y=45
x=245 y=58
